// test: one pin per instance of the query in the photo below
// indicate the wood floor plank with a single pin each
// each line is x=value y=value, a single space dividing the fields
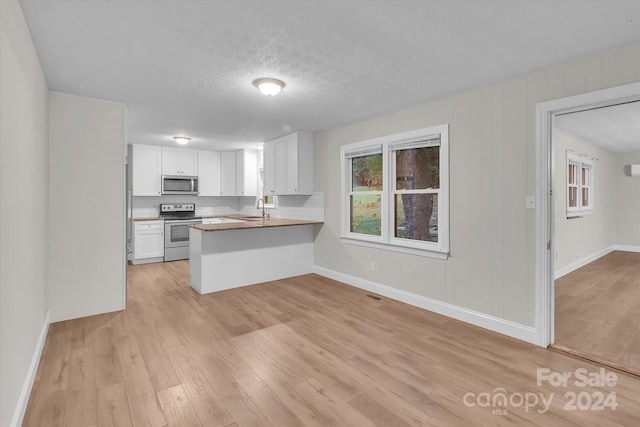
x=160 y=369
x=204 y=399
x=268 y=402
x=107 y=363
x=113 y=407
x=82 y=407
x=145 y=408
x=47 y=409
x=240 y=406
x=177 y=407
x=55 y=374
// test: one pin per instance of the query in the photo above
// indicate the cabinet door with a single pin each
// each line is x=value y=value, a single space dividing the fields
x=269 y=169
x=146 y=170
x=149 y=244
x=291 y=159
x=228 y=173
x=246 y=173
x=149 y=240
x=240 y=173
x=188 y=162
x=209 y=173
x=170 y=161
x=179 y=161
x=281 y=170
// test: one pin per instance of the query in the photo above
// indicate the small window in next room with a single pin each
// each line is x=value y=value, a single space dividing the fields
x=579 y=185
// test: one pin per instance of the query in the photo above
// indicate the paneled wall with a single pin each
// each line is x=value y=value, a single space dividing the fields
x=492 y=143
x=24 y=202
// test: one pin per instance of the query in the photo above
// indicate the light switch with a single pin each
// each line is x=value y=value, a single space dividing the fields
x=531 y=202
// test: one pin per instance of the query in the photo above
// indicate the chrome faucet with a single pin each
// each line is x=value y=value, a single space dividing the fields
x=263 y=208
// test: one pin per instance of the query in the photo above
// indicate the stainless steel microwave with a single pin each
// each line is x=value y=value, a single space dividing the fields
x=179 y=184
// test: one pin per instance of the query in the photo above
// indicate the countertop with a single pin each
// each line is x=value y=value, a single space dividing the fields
x=149 y=218
x=252 y=223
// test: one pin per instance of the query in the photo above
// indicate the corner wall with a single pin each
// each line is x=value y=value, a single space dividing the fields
x=491 y=271
x=627 y=193
x=87 y=206
x=24 y=204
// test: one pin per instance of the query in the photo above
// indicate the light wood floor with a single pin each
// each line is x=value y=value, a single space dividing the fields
x=306 y=351
x=598 y=310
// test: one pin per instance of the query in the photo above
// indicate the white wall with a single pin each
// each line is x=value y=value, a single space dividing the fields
x=627 y=193
x=24 y=227
x=86 y=186
x=492 y=157
x=581 y=237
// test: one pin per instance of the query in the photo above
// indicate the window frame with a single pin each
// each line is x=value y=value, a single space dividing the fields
x=388 y=146
x=580 y=163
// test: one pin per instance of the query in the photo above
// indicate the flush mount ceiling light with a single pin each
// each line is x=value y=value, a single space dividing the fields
x=182 y=139
x=269 y=87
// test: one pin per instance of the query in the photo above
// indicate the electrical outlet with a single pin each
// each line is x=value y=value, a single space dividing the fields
x=372 y=267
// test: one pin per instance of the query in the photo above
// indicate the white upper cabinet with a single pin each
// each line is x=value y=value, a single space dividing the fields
x=228 y=173
x=246 y=173
x=269 y=169
x=179 y=161
x=209 y=173
x=288 y=165
x=146 y=165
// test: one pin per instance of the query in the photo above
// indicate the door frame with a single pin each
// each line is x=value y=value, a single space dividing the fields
x=545 y=178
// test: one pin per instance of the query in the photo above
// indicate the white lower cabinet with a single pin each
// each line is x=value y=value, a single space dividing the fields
x=148 y=245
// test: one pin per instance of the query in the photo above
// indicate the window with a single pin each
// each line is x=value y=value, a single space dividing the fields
x=579 y=185
x=395 y=192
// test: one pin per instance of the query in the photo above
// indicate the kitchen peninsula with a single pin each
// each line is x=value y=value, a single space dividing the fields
x=249 y=250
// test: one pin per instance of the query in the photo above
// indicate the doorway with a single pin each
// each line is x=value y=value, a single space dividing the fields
x=547 y=113
x=597 y=234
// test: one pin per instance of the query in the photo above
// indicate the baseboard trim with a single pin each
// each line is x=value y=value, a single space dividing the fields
x=21 y=407
x=502 y=326
x=626 y=248
x=582 y=262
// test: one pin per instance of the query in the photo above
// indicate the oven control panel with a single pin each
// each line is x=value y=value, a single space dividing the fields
x=178 y=207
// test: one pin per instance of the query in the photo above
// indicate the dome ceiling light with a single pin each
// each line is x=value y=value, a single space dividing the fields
x=268 y=86
x=182 y=139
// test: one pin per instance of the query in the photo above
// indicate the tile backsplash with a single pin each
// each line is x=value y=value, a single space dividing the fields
x=294 y=207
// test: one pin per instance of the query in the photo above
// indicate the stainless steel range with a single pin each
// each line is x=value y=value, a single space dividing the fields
x=177 y=218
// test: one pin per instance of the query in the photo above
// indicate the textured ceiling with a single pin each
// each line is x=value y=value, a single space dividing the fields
x=615 y=129
x=186 y=67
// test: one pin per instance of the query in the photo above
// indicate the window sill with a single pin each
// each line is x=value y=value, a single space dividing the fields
x=396 y=248
x=577 y=214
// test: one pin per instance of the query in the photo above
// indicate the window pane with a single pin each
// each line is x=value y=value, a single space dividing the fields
x=586 y=176
x=365 y=214
x=366 y=173
x=416 y=217
x=573 y=197
x=585 y=197
x=418 y=168
x=572 y=173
